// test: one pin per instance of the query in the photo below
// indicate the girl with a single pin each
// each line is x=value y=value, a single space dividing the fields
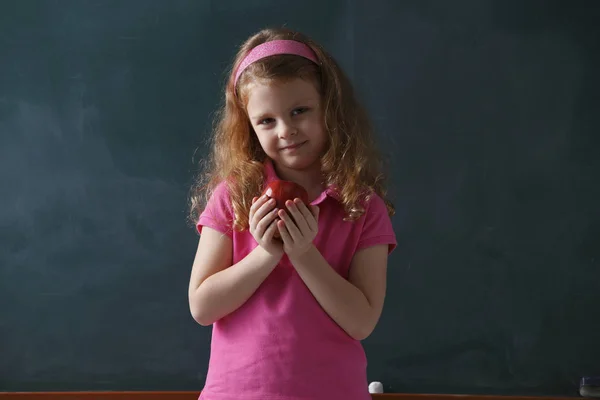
x=288 y=311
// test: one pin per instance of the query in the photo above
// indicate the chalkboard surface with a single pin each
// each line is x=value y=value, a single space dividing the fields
x=487 y=110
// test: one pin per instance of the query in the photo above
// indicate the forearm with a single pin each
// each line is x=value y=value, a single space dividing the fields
x=225 y=291
x=341 y=300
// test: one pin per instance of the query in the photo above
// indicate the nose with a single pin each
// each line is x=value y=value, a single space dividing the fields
x=286 y=129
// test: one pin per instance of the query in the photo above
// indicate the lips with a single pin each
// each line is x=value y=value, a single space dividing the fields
x=293 y=146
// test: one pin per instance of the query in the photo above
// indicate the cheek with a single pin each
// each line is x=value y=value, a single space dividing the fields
x=313 y=127
x=266 y=141
x=321 y=138
x=317 y=131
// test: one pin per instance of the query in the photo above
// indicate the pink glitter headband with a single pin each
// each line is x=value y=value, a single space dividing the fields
x=275 y=47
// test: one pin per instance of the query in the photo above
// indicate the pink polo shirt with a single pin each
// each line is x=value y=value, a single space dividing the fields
x=280 y=344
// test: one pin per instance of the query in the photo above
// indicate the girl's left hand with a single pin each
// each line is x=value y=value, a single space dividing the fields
x=298 y=227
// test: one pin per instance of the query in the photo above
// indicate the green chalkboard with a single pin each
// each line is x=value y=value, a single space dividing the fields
x=487 y=110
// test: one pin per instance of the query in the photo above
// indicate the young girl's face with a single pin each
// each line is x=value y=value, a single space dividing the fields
x=288 y=121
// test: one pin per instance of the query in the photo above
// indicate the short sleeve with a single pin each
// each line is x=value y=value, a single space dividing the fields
x=377 y=227
x=218 y=213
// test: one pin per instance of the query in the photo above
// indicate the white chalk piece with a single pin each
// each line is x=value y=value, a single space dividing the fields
x=375 y=387
x=590 y=387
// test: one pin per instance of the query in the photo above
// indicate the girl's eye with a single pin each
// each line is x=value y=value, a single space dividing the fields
x=300 y=110
x=265 y=121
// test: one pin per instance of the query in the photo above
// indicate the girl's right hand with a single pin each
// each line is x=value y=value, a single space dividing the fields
x=263 y=224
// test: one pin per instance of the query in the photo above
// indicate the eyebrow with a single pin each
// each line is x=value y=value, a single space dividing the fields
x=303 y=100
x=259 y=116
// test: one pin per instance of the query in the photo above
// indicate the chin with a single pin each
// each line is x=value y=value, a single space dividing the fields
x=299 y=164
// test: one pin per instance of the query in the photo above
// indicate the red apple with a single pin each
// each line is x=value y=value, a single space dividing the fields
x=283 y=191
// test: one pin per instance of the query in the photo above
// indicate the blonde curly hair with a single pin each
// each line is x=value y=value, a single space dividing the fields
x=351 y=162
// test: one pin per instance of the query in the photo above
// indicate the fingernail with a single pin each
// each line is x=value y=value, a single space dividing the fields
x=269 y=192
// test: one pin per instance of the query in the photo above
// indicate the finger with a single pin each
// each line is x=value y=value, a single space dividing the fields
x=285 y=235
x=306 y=212
x=264 y=223
x=298 y=217
x=315 y=210
x=291 y=227
x=263 y=208
x=270 y=232
x=254 y=206
x=252 y=217
x=251 y=211
x=314 y=221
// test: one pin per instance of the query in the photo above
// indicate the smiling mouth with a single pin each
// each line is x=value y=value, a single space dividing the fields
x=294 y=146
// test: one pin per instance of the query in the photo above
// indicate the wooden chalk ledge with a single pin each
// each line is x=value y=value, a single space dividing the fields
x=194 y=396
